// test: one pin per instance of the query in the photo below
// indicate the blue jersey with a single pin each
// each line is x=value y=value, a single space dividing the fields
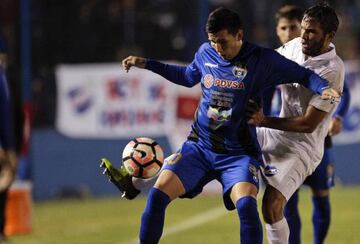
x=220 y=122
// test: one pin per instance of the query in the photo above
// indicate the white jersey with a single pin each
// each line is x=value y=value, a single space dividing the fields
x=296 y=99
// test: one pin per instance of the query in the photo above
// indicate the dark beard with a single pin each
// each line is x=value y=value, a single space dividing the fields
x=315 y=48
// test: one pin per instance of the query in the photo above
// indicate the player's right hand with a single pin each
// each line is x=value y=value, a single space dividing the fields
x=254 y=113
x=130 y=61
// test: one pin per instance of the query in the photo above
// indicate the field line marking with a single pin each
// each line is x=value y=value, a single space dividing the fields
x=196 y=220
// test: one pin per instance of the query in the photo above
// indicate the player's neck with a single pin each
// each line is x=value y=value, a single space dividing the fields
x=322 y=51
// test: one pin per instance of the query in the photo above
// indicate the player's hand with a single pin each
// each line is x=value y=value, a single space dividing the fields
x=8 y=169
x=254 y=113
x=335 y=126
x=130 y=61
x=331 y=94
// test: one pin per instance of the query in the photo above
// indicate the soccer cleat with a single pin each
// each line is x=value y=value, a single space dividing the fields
x=120 y=178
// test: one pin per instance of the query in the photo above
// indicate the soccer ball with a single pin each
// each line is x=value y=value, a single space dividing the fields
x=143 y=157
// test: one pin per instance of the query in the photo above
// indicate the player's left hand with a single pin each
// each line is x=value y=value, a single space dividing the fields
x=331 y=94
x=335 y=126
x=254 y=113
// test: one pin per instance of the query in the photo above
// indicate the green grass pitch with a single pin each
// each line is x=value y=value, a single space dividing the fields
x=116 y=221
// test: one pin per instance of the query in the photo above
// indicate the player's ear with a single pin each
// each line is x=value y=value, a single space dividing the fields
x=331 y=35
x=239 y=35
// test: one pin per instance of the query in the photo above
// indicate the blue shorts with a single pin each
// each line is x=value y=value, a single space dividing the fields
x=323 y=176
x=196 y=166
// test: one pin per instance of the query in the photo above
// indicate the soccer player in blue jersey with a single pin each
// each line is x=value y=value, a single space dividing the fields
x=288 y=27
x=221 y=144
x=312 y=50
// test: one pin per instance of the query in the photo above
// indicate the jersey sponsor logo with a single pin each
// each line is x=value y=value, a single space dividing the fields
x=229 y=84
x=211 y=65
x=173 y=158
x=270 y=170
x=208 y=80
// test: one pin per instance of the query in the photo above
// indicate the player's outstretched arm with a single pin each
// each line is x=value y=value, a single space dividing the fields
x=303 y=124
x=130 y=61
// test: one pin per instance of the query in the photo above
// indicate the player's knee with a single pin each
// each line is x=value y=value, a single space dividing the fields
x=273 y=207
x=320 y=192
x=169 y=183
x=157 y=200
x=246 y=206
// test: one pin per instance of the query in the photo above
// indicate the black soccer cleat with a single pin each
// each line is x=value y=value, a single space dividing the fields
x=120 y=178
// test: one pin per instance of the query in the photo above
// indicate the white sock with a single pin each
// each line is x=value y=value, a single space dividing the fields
x=143 y=184
x=278 y=233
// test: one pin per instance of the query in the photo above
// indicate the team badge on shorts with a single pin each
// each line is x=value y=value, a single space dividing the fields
x=255 y=172
x=173 y=158
x=270 y=171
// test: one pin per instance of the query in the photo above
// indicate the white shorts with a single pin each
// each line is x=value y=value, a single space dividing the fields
x=285 y=167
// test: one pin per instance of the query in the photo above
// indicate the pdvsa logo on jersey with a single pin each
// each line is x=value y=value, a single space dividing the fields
x=270 y=171
x=229 y=84
x=208 y=80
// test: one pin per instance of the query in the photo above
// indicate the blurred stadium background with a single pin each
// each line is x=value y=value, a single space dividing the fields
x=74 y=104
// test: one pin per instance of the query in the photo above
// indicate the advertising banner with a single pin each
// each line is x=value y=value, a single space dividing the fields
x=102 y=101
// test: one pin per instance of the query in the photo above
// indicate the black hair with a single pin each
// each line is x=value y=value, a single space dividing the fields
x=223 y=19
x=289 y=12
x=325 y=15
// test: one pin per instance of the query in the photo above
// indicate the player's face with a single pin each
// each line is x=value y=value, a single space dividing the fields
x=287 y=29
x=313 y=39
x=226 y=44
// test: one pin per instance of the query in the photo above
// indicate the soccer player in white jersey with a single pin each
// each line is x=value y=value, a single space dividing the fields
x=288 y=26
x=293 y=144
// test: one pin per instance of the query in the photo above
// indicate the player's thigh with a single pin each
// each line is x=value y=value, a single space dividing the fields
x=190 y=168
x=169 y=183
x=273 y=204
x=322 y=179
x=239 y=176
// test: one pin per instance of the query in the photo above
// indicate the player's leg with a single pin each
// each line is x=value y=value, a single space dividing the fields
x=128 y=185
x=241 y=183
x=323 y=179
x=243 y=195
x=167 y=187
x=276 y=226
x=321 y=214
x=292 y=216
x=182 y=175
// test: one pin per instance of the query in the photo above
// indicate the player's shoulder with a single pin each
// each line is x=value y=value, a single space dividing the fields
x=291 y=48
x=205 y=47
x=336 y=63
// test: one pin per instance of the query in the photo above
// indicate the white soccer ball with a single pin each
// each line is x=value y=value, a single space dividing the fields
x=143 y=157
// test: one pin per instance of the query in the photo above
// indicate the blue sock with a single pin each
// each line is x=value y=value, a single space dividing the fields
x=152 y=220
x=321 y=218
x=250 y=225
x=292 y=216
